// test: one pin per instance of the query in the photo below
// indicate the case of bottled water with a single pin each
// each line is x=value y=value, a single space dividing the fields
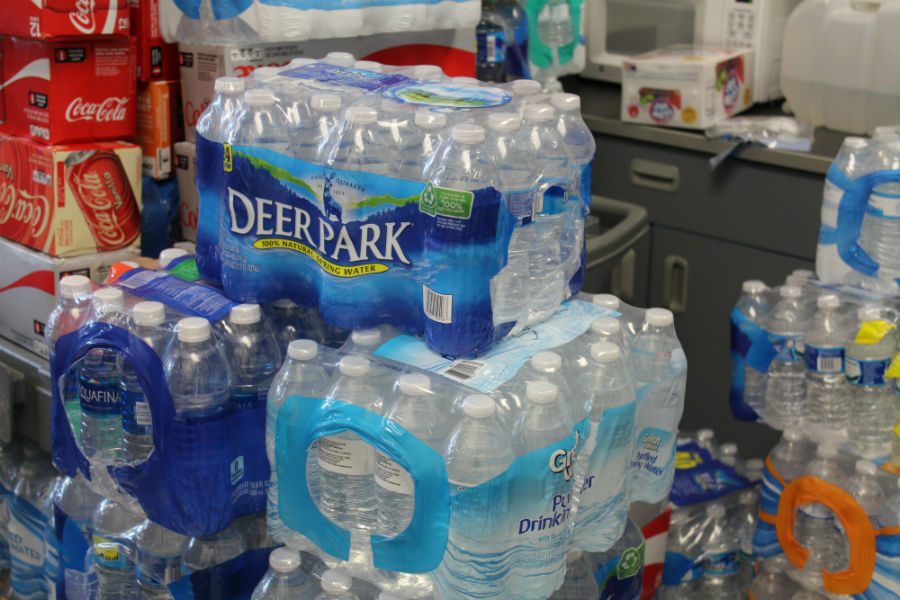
x=297 y=20
x=471 y=477
x=395 y=196
x=859 y=236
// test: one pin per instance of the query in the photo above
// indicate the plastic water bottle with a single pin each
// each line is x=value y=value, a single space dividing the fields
x=579 y=582
x=609 y=329
x=284 y=580
x=395 y=122
x=339 y=59
x=826 y=386
x=9 y=469
x=115 y=528
x=71 y=309
x=753 y=469
x=548 y=366
x=301 y=374
x=364 y=341
x=786 y=388
x=753 y=305
x=871 y=407
x=79 y=503
x=720 y=578
x=98 y=384
x=74 y=499
x=347 y=463
x=261 y=123
x=418 y=410
x=157 y=560
x=199 y=380
x=544 y=420
x=889 y=515
x=336 y=585
x=773 y=583
x=706 y=439
x=491 y=38
x=610 y=396
x=555 y=27
x=286 y=320
x=879 y=234
x=218 y=117
x=745 y=525
x=148 y=319
x=310 y=138
x=357 y=144
x=652 y=347
x=170 y=254
x=621 y=568
x=524 y=91
x=254 y=354
x=420 y=146
x=729 y=455
x=866 y=490
x=579 y=140
x=683 y=552
x=30 y=510
x=791 y=455
x=815 y=526
x=202 y=553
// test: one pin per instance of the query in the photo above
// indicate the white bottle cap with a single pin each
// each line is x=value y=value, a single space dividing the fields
x=546 y=361
x=259 y=97
x=362 y=115
x=566 y=102
x=715 y=511
x=336 y=581
x=828 y=302
x=865 y=313
x=574 y=555
x=465 y=81
x=753 y=286
x=792 y=435
x=607 y=301
x=704 y=435
x=525 y=87
x=368 y=65
x=479 y=406
x=805 y=274
x=885 y=133
x=790 y=291
x=303 y=350
x=109 y=298
x=414 y=384
x=606 y=326
x=428 y=72
x=467 y=133
x=754 y=464
x=659 y=317
x=505 y=122
x=229 y=84
x=262 y=73
x=245 y=314
x=856 y=143
x=339 y=59
x=72 y=286
x=539 y=112
x=605 y=352
x=148 y=314
x=325 y=102
x=354 y=365
x=301 y=62
x=866 y=467
x=193 y=330
x=284 y=560
x=284 y=303
x=169 y=254
x=728 y=449
x=130 y=263
x=366 y=338
x=541 y=392
x=428 y=119
x=826 y=450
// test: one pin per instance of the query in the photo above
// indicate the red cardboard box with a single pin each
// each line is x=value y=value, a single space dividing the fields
x=69 y=200
x=44 y=19
x=156 y=60
x=68 y=91
x=159 y=125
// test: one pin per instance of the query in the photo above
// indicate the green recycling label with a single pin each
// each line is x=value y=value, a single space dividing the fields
x=446 y=202
x=631 y=562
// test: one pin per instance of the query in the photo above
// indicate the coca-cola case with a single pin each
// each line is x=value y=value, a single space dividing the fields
x=59 y=92
x=28 y=281
x=70 y=200
x=44 y=19
x=156 y=59
x=188 y=203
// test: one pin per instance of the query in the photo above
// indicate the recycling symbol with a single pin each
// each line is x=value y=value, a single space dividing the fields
x=428 y=200
x=631 y=562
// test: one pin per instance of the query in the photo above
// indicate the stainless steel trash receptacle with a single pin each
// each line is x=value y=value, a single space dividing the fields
x=612 y=232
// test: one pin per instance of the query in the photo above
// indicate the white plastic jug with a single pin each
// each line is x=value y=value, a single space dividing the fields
x=840 y=67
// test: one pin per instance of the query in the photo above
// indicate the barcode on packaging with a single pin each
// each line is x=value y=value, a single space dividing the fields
x=463 y=370
x=438 y=307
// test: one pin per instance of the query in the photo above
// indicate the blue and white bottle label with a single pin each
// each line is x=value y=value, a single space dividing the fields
x=157 y=570
x=721 y=563
x=866 y=373
x=825 y=360
x=99 y=396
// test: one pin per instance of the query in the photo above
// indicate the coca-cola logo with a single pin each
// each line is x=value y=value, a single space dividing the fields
x=6 y=169
x=83 y=16
x=29 y=210
x=109 y=110
x=192 y=113
x=100 y=200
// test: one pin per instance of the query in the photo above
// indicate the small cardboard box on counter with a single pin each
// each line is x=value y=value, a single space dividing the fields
x=159 y=125
x=687 y=86
x=28 y=282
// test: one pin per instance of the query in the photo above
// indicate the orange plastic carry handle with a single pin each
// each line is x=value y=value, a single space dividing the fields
x=860 y=533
